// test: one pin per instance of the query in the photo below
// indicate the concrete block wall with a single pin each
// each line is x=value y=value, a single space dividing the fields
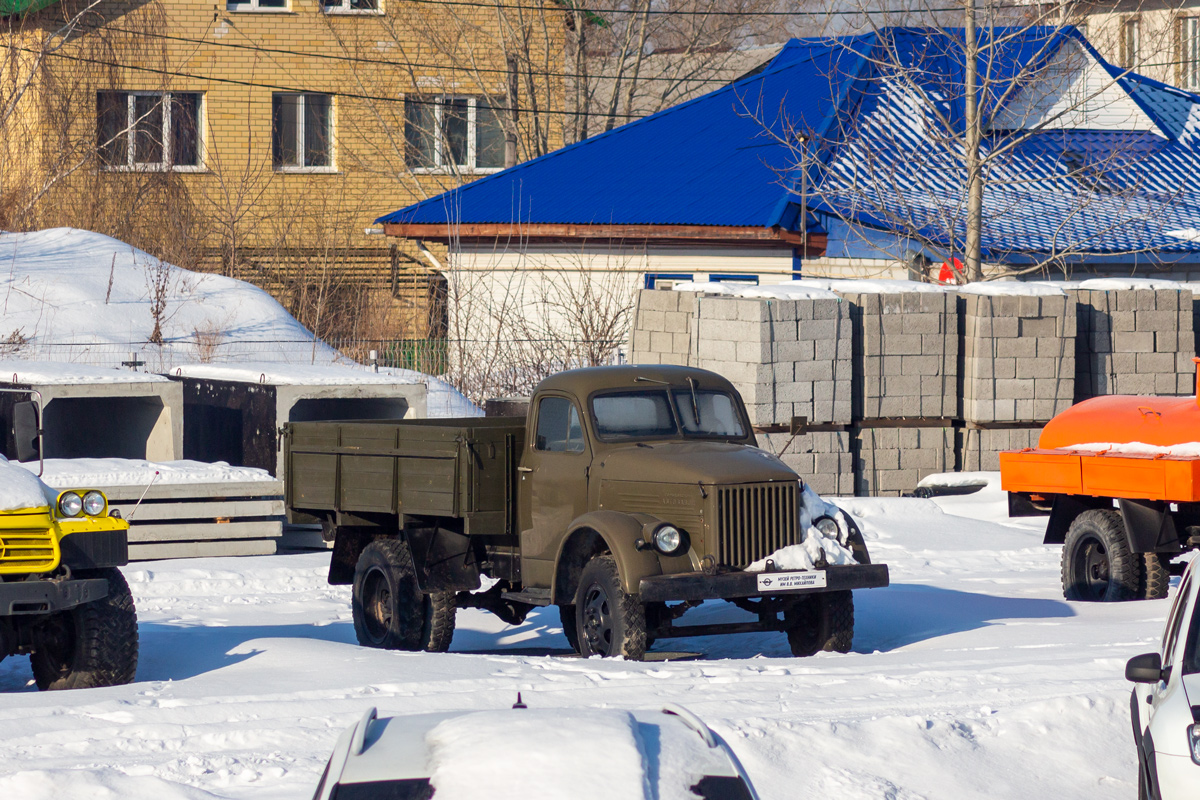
x=905 y=355
x=1018 y=357
x=822 y=458
x=979 y=449
x=1134 y=341
x=891 y=461
x=786 y=357
x=663 y=328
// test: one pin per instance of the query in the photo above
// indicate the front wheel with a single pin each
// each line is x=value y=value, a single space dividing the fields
x=1097 y=565
x=390 y=610
x=820 y=622
x=608 y=622
x=95 y=644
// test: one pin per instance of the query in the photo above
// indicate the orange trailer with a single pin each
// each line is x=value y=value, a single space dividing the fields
x=1120 y=478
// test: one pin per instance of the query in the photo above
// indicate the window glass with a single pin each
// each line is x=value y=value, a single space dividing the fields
x=147 y=129
x=420 y=122
x=717 y=413
x=285 y=125
x=316 y=130
x=489 y=135
x=455 y=131
x=1173 y=623
x=633 y=415
x=1190 y=57
x=404 y=789
x=558 y=426
x=112 y=108
x=185 y=129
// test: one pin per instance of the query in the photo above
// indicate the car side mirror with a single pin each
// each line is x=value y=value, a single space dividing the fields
x=1146 y=668
x=27 y=429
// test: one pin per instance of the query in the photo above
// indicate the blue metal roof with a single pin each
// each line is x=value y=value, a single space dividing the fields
x=731 y=157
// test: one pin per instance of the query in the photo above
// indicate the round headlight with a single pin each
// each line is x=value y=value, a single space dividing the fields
x=828 y=527
x=93 y=504
x=70 y=504
x=669 y=540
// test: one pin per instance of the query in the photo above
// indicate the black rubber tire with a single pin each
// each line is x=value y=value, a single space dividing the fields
x=609 y=622
x=390 y=610
x=821 y=622
x=1156 y=583
x=1097 y=565
x=569 y=625
x=95 y=644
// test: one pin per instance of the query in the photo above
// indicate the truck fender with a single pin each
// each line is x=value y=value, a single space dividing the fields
x=598 y=531
x=1149 y=526
x=1066 y=508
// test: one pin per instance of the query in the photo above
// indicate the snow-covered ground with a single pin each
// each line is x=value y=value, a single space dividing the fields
x=971 y=677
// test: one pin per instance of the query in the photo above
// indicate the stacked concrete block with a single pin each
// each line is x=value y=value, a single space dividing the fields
x=1018 y=357
x=823 y=459
x=663 y=328
x=979 y=448
x=905 y=355
x=786 y=357
x=1134 y=341
x=892 y=461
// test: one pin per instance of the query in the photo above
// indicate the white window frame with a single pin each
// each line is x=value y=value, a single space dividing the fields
x=343 y=7
x=300 y=122
x=1189 y=59
x=252 y=7
x=131 y=130
x=439 y=104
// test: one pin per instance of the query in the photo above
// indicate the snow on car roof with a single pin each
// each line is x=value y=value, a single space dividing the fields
x=21 y=489
x=65 y=373
x=584 y=754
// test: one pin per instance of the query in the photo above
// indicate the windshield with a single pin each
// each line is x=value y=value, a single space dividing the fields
x=658 y=414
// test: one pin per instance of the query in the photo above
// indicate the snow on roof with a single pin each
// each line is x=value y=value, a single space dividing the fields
x=1012 y=288
x=87 y=473
x=21 y=489
x=592 y=755
x=65 y=285
x=296 y=374
x=65 y=373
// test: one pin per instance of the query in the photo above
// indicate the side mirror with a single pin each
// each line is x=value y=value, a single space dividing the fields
x=1146 y=668
x=27 y=430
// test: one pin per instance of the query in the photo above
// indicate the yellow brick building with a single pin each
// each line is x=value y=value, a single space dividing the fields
x=261 y=138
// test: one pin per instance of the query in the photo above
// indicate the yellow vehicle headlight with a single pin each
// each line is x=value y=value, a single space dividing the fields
x=70 y=504
x=93 y=504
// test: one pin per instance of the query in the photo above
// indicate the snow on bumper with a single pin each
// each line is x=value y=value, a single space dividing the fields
x=698 y=586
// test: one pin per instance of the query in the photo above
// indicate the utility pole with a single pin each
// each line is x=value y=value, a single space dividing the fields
x=974 y=133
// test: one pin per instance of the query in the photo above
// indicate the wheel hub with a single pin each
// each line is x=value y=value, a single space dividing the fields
x=1095 y=568
x=377 y=605
x=597 y=621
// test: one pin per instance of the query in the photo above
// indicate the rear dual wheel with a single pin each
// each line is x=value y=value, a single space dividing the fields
x=390 y=610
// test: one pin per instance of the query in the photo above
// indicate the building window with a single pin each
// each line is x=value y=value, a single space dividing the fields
x=1131 y=43
x=301 y=131
x=1189 y=59
x=148 y=130
x=256 y=5
x=350 y=6
x=734 y=278
x=454 y=133
x=666 y=280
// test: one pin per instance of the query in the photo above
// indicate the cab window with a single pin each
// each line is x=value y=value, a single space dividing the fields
x=1173 y=623
x=558 y=426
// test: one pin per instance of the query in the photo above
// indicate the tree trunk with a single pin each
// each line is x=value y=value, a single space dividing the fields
x=974 y=243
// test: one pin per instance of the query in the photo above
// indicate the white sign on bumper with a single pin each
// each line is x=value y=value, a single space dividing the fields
x=774 y=581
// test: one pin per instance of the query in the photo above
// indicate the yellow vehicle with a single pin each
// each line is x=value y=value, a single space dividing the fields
x=62 y=599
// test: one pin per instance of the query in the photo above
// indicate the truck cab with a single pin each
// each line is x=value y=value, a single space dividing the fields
x=628 y=496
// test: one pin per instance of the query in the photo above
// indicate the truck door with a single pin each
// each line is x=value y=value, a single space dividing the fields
x=553 y=484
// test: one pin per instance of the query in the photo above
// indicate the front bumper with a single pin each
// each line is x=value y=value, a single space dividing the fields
x=698 y=586
x=47 y=597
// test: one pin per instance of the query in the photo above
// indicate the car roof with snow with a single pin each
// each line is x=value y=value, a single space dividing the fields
x=584 y=754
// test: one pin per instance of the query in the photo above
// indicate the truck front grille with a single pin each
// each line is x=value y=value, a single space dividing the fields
x=27 y=550
x=754 y=521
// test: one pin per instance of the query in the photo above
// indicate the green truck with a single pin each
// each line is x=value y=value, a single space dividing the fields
x=630 y=495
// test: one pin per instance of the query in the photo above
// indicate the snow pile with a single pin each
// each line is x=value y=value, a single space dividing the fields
x=64 y=285
x=816 y=546
x=62 y=373
x=1111 y=284
x=877 y=285
x=21 y=489
x=957 y=479
x=1012 y=289
x=1181 y=450
x=85 y=473
x=538 y=755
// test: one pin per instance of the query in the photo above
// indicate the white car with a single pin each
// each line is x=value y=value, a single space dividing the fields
x=534 y=754
x=1165 y=705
